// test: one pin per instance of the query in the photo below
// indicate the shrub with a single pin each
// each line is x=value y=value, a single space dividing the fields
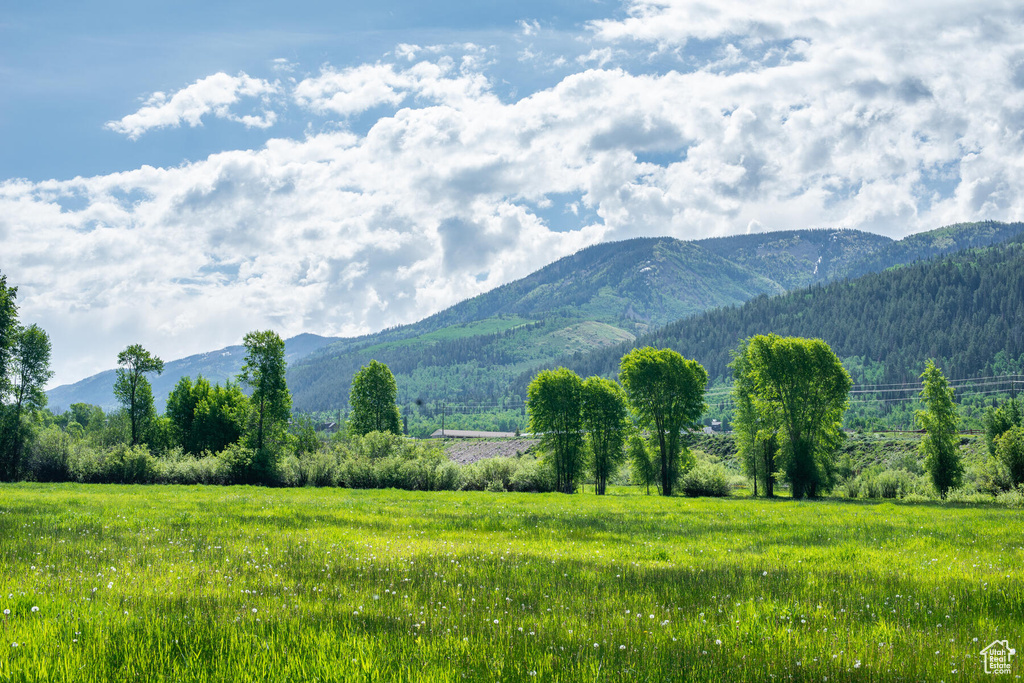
x=49 y=457
x=122 y=464
x=706 y=479
x=177 y=467
x=1013 y=498
x=238 y=463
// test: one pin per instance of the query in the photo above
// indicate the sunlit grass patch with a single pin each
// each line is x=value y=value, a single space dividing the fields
x=196 y=583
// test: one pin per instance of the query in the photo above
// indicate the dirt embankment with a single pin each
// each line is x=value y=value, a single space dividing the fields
x=465 y=451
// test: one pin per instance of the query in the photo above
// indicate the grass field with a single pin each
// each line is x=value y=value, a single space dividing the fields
x=164 y=583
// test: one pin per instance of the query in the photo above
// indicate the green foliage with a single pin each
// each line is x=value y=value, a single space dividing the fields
x=372 y=398
x=24 y=370
x=133 y=391
x=666 y=392
x=605 y=414
x=1000 y=420
x=798 y=391
x=270 y=403
x=756 y=436
x=643 y=470
x=940 y=422
x=554 y=403
x=705 y=479
x=204 y=417
x=1010 y=452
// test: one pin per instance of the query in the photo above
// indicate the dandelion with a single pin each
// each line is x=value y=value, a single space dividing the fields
x=596 y=645
x=254 y=610
x=718 y=642
x=35 y=608
x=110 y=585
x=856 y=665
x=7 y=612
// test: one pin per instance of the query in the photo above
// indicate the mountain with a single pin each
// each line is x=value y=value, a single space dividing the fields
x=603 y=297
x=965 y=310
x=217 y=366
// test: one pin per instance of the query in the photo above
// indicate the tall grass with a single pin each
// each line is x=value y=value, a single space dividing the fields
x=251 y=584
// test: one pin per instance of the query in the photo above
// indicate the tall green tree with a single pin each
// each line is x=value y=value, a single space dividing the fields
x=554 y=403
x=132 y=389
x=373 y=395
x=756 y=440
x=605 y=414
x=667 y=395
x=205 y=417
x=1000 y=420
x=642 y=468
x=799 y=391
x=28 y=372
x=8 y=332
x=1010 y=452
x=270 y=403
x=940 y=421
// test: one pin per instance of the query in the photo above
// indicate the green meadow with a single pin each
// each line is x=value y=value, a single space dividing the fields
x=169 y=583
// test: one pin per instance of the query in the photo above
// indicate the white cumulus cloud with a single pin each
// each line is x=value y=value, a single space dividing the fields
x=870 y=116
x=214 y=95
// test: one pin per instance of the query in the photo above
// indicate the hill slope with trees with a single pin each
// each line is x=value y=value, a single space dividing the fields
x=966 y=311
x=603 y=297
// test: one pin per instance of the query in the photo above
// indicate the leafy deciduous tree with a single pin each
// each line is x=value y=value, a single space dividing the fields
x=1010 y=452
x=757 y=442
x=205 y=417
x=554 y=402
x=372 y=398
x=270 y=403
x=667 y=394
x=642 y=469
x=799 y=391
x=132 y=389
x=605 y=414
x=940 y=422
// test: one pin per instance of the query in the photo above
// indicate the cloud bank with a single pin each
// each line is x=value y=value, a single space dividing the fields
x=682 y=120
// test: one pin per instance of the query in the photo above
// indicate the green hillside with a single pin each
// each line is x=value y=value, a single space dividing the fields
x=966 y=311
x=473 y=351
x=480 y=352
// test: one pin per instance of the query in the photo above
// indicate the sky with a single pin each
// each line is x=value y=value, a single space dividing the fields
x=178 y=174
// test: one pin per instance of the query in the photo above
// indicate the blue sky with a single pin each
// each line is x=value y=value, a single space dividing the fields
x=177 y=174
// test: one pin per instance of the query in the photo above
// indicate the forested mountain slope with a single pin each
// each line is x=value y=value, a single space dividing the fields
x=603 y=296
x=966 y=311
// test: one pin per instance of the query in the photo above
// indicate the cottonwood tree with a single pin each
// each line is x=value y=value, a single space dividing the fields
x=270 y=404
x=667 y=395
x=554 y=403
x=1010 y=452
x=373 y=401
x=605 y=414
x=756 y=440
x=205 y=417
x=799 y=391
x=642 y=469
x=940 y=421
x=132 y=389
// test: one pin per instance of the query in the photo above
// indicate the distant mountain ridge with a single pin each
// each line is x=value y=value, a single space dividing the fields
x=602 y=296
